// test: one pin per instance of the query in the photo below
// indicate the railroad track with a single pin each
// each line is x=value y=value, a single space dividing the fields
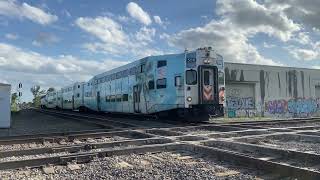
x=235 y=145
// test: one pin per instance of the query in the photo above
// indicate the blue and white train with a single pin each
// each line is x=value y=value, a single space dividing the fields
x=185 y=85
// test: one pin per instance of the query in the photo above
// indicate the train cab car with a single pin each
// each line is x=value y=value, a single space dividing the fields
x=204 y=74
x=51 y=98
x=185 y=85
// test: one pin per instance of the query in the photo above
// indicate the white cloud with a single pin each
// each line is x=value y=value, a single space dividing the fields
x=11 y=36
x=267 y=45
x=123 y=18
x=44 y=38
x=230 y=35
x=304 y=12
x=12 y=8
x=145 y=34
x=224 y=38
x=19 y=60
x=104 y=28
x=158 y=20
x=114 y=40
x=252 y=17
x=31 y=68
x=66 y=13
x=36 y=43
x=304 y=54
x=136 y=12
x=164 y=36
x=303 y=38
x=162 y=23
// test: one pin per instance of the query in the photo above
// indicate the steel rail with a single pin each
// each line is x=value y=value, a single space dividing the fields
x=84 y=157
x=70 y=137
x=83 y=147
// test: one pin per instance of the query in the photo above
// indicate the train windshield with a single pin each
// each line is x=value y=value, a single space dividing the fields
x=191 y=77
x=206 y=78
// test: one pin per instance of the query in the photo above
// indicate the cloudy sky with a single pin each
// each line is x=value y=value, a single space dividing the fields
x=56 y=42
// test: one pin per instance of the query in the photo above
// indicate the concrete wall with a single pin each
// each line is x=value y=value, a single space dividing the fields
x=256 y=90
x=5 y=108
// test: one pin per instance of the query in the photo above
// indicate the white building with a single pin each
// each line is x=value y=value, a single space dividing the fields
x=271 y=91
x=5 y=108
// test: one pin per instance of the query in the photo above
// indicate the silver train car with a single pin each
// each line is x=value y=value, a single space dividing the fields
x=185 y=85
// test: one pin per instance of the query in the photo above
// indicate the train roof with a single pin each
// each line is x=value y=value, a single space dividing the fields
x=135 y=63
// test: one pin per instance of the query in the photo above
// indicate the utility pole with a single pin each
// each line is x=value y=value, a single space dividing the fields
x=19 y=94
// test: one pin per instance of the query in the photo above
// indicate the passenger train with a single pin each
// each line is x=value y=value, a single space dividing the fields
x=184 y=85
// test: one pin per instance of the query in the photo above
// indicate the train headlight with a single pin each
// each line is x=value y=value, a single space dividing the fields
x=206 y=61
x=189 y=99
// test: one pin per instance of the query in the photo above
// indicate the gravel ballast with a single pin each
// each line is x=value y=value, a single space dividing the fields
x=291 y=145
x=54 y=144
x=165 y=165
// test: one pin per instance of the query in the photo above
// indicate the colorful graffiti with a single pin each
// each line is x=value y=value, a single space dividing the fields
x=276 y=106
x=302 y=106
x=240 y=103
x=241 y=113
x=241 y=107
x=298 y=107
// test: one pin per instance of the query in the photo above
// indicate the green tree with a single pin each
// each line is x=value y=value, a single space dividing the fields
x=14 y=103
x=37 y=93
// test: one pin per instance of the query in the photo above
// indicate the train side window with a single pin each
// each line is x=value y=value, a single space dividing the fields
x=112 y=98
x=78 y=95
x=177 y=81
x=162 y=63
x=151 y=84
x=191 y=77
x=142 y=68
x=125 y=97
x=161 y=83
x=119 y=97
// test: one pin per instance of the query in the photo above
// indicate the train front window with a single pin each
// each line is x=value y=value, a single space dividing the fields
x=206 y=78
x=191 y=77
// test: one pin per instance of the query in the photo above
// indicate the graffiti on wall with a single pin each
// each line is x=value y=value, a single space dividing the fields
x=276 y=106
x=241 y=113
x=240 y=103
x=241 y=107
x=298 y=107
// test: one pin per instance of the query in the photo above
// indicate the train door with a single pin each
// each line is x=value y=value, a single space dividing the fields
x=98 y=101
x=136 y=99
x=208 y=84
x=72 y=102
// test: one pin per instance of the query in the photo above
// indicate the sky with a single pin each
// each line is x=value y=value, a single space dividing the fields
x=53 y=43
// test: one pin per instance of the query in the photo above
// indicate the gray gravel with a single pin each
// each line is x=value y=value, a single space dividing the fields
x=38 y=156
x=293 y=125
x=48 y=144
x=292 y=145
x=163 y=165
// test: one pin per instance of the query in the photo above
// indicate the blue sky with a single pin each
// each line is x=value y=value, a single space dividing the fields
x=57 y=42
